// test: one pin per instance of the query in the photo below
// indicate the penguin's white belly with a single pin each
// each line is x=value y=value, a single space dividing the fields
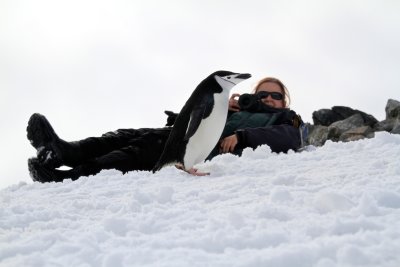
x=208 y=133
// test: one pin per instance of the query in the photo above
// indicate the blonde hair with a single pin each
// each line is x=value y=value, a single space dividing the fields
x=284 y=90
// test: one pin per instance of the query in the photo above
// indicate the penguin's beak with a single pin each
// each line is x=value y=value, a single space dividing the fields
x=243 y=76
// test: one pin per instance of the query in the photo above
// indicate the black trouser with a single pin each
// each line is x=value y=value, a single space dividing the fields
x=124 y=150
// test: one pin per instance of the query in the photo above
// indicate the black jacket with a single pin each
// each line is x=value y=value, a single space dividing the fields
x=277 y=128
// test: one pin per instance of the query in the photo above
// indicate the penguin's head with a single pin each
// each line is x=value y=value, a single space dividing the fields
x=227 y=79
x=221 y=81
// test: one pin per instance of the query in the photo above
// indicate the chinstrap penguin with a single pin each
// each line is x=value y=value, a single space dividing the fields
x=199 y=124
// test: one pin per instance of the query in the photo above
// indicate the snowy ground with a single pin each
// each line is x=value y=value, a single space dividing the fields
x=338 y=205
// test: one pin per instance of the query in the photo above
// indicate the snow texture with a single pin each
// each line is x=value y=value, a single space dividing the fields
x=337 y=205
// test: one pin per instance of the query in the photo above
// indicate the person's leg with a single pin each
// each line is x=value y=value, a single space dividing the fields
x=43 y=138
x=54 y=152
x=142 y=154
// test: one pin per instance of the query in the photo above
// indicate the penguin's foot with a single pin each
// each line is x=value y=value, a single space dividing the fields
x=195 y=172
x=192 y=171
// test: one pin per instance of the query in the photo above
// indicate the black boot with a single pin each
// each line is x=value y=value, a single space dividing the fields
x=52 y=151
x=44 y=174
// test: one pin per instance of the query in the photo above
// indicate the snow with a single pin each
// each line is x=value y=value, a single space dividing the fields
x=336 y=205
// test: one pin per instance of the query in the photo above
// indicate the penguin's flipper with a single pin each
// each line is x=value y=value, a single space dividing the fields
x=200 y=111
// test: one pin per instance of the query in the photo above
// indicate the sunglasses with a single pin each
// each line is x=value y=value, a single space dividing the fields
x=274 y=95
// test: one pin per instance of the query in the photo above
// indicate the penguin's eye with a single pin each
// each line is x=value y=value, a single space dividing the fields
x=229 y=77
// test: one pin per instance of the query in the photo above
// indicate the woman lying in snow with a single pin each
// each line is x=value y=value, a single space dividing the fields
x=262 y=117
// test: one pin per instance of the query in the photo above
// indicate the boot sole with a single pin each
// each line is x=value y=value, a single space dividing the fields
x=39 y=131
x=43 y=137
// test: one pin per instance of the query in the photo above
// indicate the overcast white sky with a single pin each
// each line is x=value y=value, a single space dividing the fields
x=96 y=66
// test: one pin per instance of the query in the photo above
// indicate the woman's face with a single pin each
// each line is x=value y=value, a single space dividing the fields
x=271 y=87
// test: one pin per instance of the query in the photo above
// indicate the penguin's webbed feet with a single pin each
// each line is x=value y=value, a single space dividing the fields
x=195 y=172
x=192 y=171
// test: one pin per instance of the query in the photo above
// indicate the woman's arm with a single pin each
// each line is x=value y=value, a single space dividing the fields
x=280 y=138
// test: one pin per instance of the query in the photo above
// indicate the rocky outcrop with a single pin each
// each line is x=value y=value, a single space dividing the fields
x=346 y=124
x=326 y=117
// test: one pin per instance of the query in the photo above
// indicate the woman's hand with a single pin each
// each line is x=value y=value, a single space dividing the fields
x=233 y=103
x=228 y=144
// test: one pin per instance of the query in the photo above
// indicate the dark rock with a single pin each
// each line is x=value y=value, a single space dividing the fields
x=357 y=134
x=385 y=125
x=336 y=129
x=392 y=109
x=346 y=124
x=325 y=117
x=396 y=128
x=343 y=111
x=348 y=112
x=317 y=135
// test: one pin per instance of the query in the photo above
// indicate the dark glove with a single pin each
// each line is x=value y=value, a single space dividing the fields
x=171 y=117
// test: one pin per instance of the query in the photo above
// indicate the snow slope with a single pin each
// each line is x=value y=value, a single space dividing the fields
x=338 y=205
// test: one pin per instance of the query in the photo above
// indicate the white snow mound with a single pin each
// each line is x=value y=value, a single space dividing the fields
x=337 y=205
